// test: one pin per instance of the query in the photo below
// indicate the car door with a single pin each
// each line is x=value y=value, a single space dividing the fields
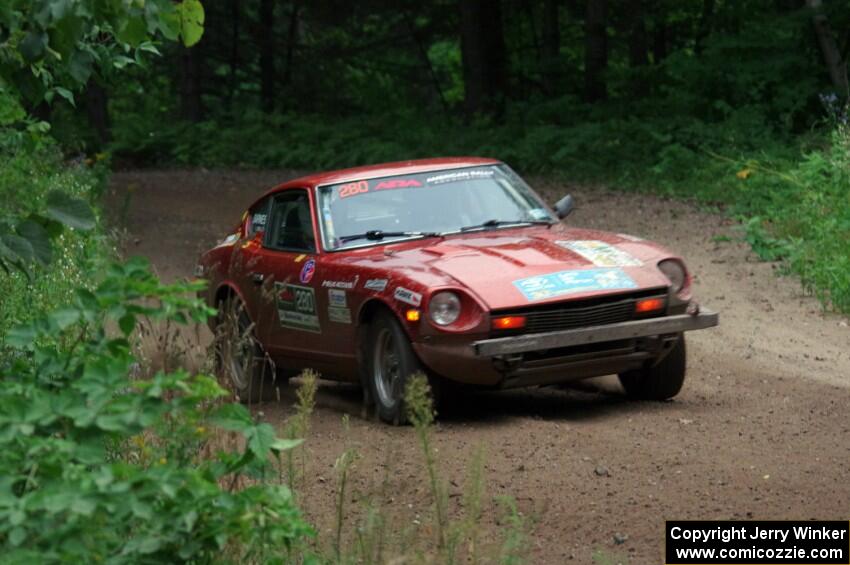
x=285 y=267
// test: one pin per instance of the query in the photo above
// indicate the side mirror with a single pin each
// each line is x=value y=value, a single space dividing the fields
x=564 y=206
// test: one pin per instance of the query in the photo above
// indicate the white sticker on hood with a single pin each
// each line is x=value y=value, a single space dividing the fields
x=601 y=254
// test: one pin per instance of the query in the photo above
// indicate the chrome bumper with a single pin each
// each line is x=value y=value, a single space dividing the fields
x=595 y=334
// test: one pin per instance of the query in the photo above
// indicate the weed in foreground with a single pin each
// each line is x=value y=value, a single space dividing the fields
x=421 y=414
x=298 y=425
x=452 y=535
x=342 y=466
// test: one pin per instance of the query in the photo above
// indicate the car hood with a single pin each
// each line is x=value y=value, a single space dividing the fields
x=517 y=267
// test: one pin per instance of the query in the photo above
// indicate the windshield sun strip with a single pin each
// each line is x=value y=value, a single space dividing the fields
x=321 y=219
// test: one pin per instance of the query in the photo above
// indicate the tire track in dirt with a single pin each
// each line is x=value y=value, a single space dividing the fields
x=760 y=431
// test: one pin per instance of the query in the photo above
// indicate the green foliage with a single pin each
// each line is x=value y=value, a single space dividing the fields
x=27 y=241
x=51 y=47
x=98 y=466
x=39 y=195
x=191 y=14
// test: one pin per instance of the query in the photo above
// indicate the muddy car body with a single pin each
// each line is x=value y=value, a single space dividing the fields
x=454 y=267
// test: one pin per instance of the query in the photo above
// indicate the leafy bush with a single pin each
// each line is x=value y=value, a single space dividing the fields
x=36 y=190
x=51 y=48
x=809 y=221
x=98 y=466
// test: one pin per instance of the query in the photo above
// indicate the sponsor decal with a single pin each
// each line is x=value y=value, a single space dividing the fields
x=307 y=271
x=199 y=270
x=458 y=176
x=300 y=258
x=572 y=282
x=296 y=307
x=362 y=187
x=378 y=285
x=601 y=254
x=336 y=298
x=339 y=315
x=407 y=296
x=259 y=220
x=348 y=285
x=397 y=183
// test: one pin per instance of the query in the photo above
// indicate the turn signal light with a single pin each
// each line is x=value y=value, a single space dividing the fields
x=508 y=323
x=649 y=305
x=412 y=315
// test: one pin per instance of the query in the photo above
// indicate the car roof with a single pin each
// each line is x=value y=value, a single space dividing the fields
x=383 y=170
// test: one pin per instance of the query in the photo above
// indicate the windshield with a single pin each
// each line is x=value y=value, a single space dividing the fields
x=421 y=204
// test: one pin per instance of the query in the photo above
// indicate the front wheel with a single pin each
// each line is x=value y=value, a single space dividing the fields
x=391 y=363
x=662 y=381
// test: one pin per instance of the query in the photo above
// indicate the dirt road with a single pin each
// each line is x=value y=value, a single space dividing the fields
x=761 y=429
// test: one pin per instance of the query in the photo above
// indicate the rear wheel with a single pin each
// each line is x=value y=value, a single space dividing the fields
x=241 y=358
x=391 y=362
x=661 y=381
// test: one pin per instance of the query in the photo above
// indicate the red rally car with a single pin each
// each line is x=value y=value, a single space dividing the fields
x=453 y=267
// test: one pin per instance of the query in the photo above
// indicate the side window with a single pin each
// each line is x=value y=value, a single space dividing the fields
x=258 y=217
x=290 y=226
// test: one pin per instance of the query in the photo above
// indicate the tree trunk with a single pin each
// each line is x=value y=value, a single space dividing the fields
x=483 y=53
x=266 y=31
x=659 y=36
x=426 y=62
x=831 y=55
x=638 y=56
x=705 y=22
x=234 y=50
x=551 y=45
x=784 y=6
x=191 y=106
x=291 y=41
x=97 y=111
x=595 y=51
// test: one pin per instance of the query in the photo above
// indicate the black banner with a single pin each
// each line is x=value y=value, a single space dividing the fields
x=757 y=543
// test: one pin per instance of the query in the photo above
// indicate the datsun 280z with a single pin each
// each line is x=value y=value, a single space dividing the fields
x=454 y=268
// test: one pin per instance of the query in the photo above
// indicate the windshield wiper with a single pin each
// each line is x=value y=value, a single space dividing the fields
x=377 y=235
x=496 y=223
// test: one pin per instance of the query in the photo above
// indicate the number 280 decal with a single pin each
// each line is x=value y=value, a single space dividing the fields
x=353 y=188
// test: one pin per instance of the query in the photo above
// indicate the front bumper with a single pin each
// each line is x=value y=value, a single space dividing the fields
x=596 y=334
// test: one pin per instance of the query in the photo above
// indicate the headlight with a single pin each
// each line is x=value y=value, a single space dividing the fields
x=675 y=273
x=444 y=308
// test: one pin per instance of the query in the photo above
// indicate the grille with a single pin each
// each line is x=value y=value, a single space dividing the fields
x=577 y=314
x=569 y=318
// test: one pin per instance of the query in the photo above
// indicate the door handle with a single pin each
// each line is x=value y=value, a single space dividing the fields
x=257 y=278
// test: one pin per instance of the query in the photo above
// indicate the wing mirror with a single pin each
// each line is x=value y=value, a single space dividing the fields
x=564 y=206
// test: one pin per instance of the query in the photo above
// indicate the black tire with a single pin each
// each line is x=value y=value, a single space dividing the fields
x=390 y=362
x=662 y=381
x=241 y=359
